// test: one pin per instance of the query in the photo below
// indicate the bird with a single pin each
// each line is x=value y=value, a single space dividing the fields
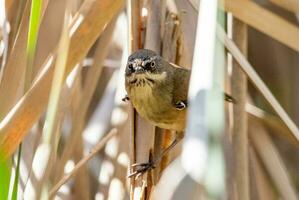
x=158 y=90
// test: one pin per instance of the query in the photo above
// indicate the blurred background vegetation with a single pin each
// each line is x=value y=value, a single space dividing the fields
x=66 y=134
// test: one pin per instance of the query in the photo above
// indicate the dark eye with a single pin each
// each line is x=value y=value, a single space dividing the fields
x=131 y=68
x=153 y=64
x=149 y=65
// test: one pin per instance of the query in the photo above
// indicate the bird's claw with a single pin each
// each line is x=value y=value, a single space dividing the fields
x=126 y=98
x=181 y=105
x=229 y=98
x=141 y=169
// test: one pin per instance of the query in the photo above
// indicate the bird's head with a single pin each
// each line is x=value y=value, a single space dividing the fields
x=144 y=67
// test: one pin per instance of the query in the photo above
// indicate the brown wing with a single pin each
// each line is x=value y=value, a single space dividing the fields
x=181 y=84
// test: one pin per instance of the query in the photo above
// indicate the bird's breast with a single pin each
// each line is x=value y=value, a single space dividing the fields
x=145 y=101
x=155 y=105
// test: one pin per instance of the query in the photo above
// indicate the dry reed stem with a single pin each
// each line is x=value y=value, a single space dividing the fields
x=11 y=85
x=9 y=5
x=291 y=5
x=194 y=3
x=14 y=13
x=258 y=82
x=188 y=22
x=271 y=159
x=12 y=73
x=153 y=26
x=260 y=180
x=171 y=38
x=240 y=134
x=82 y=179
x=274 y=123
x=91 y=20
x=83 y=161
x=152 y=42
x=170 y=48
x=96 y=15
x=49 y=33
x=134 y=22
x=265 y=21
x=21 y=118
x=134 y=27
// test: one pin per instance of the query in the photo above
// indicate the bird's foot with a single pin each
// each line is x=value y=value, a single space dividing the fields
x=181 y=105
x=126 y=98
x=141 y=168
x=229 y=98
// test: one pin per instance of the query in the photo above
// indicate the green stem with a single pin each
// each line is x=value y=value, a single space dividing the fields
x=32 y=39
x=17 y=175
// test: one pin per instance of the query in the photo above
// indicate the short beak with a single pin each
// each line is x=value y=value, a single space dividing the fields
x=139 y=70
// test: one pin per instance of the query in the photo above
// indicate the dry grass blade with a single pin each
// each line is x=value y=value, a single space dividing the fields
x=257 y=81
x=20 y=119
x=270 y=157
x=83 y=161
x=11 y=86
x=260 y=181
x=90 y=21
x=265 y=21
x=49 y=33
x=87 y=25
x=81 y=139
x=291 y=5
x=273 y=122
x=14 y=69
x=14 y=18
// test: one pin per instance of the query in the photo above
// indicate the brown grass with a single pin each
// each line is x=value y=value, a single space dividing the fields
x=94 y=136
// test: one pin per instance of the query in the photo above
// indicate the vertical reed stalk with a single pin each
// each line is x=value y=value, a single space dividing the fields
x=240 y=135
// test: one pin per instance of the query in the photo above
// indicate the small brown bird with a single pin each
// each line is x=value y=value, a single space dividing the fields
x=158 y=91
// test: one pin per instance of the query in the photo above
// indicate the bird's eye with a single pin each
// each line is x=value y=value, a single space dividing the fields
x=149 y=65
x=130 y=66
x=153 y=64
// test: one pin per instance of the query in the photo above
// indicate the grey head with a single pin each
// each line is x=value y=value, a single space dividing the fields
x=143 y=61
x=144 y=65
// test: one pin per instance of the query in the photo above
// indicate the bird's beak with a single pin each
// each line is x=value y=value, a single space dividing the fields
x=139 y=70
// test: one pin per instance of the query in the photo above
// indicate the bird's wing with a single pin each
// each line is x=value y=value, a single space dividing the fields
x=178 y=67
x=181 y=84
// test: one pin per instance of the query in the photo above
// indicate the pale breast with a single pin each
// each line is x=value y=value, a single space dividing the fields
x=144 y=101
x=157 y=107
